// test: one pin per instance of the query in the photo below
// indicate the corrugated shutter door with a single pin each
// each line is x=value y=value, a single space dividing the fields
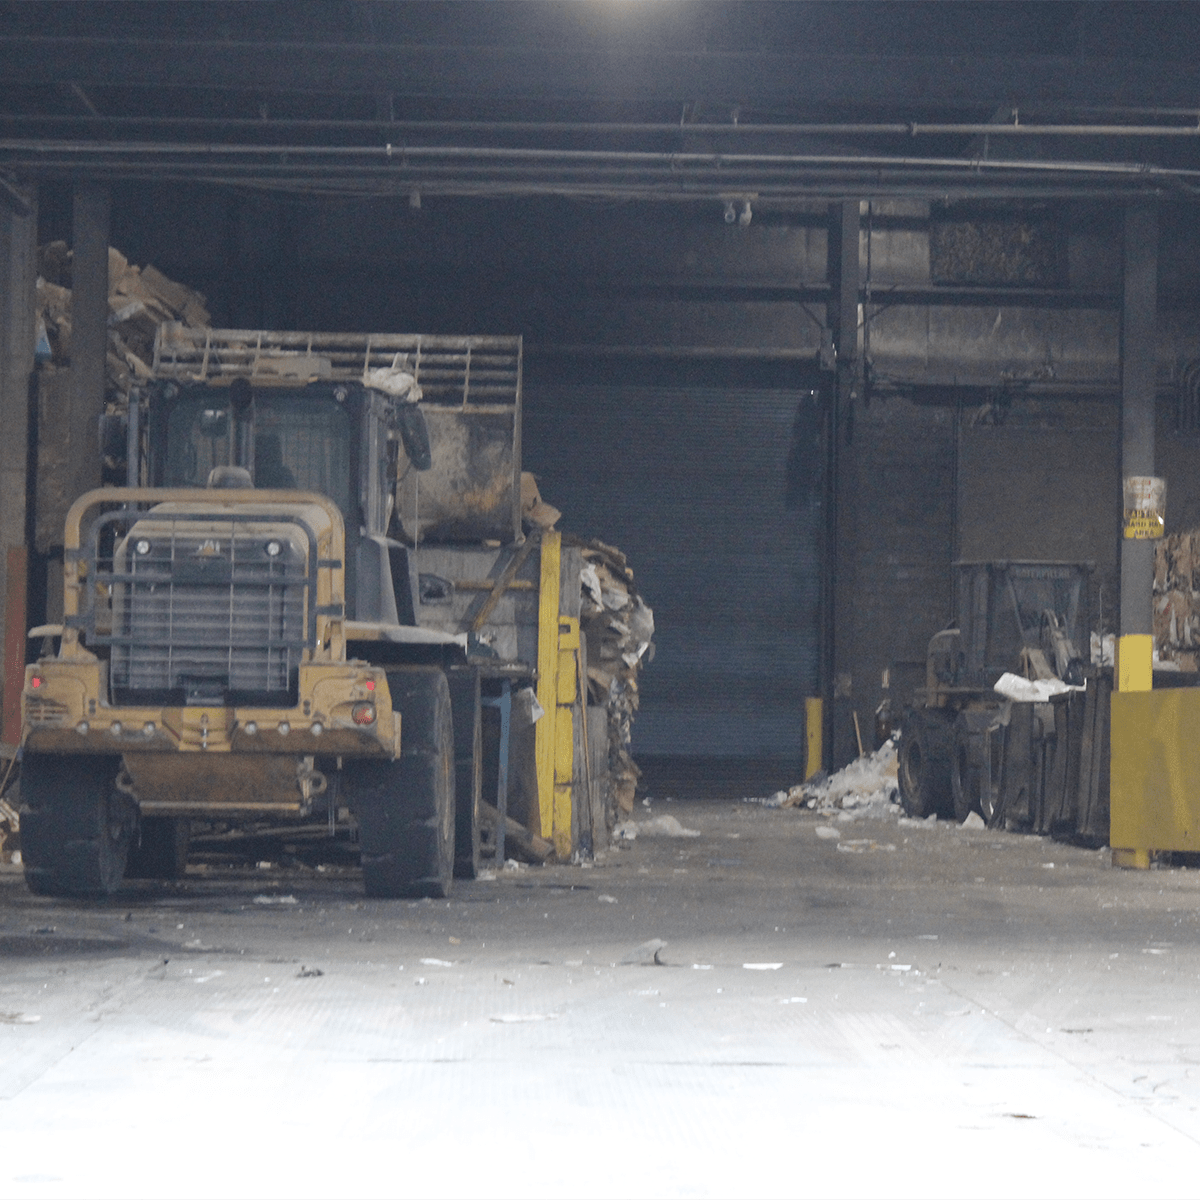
x=690 y=483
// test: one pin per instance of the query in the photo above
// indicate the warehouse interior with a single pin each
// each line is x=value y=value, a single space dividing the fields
x=815 y=302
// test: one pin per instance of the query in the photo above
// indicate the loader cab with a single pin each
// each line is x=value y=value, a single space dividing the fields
x=328 y=437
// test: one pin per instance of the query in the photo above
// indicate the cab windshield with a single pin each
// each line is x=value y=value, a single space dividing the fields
x=300 y=440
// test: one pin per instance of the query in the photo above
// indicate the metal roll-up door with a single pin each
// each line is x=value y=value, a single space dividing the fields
x=692 y=484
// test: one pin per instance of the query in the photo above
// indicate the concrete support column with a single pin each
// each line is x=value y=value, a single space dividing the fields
x=840 y=540
x=89 y=329
x=1138 y=360
x=18 y=277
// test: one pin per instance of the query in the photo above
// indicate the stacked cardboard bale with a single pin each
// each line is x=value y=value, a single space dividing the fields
x=1177 y=600
x=139 y=300
x=619 y=627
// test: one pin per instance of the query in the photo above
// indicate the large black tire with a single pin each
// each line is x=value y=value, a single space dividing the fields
x=975 y=782
x=468 y=769
x=405 y=808
x=162 y=850
x=926 y=741
x=76 y=827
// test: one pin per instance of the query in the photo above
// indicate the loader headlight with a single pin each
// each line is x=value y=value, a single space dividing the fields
x=273 y=549
x=143 y=546
x=363 y=714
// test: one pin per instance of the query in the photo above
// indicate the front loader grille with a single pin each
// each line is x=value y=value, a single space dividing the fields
x=201 y=613
x=41 y=710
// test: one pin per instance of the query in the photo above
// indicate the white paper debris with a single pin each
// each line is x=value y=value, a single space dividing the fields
x=1038 y=690
x=274 y=899
x=665 y=826
x=761 y=966
x=827 y=832
x=974 y=821
x=866 y=787
x=523 y=1018
x=393 y=381
x=435 y=962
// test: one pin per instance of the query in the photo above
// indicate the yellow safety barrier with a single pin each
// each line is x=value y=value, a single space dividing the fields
x=1155 y=781
x=814 y=722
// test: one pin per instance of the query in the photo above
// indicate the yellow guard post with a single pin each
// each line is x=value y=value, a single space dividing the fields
x=554 y=734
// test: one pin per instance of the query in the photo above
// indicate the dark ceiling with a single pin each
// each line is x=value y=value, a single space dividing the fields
x=608 y=98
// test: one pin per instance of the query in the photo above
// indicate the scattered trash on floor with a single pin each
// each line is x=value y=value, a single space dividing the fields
x=665 y=826
x=18 y=1019
x=827 y=832
x=435 y=962
x=274 y=899
x=648 y=954
x=605 y=898
x=974 y=821
x=863 y=846
x=764 y=966
x=309 y=973
x=523 y=1018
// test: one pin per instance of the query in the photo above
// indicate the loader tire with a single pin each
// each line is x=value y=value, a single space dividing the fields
x=926 y=741
x=405 y=808
x=975 y=781
x=162 y=851
x=468 y=769
x=76 y=827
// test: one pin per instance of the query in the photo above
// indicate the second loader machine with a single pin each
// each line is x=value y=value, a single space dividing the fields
x=1026 y=618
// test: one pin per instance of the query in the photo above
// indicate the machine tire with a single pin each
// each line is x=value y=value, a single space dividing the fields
x=405 y=808
x=76 y=827
x=976 y=736
x=926 y=740
x=162 y=851
x=468 y=770
x=966 y=769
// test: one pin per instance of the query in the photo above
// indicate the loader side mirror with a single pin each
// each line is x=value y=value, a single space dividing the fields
x=414 y=436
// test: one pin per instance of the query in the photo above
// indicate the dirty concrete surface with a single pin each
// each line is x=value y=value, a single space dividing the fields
x=899 y=1010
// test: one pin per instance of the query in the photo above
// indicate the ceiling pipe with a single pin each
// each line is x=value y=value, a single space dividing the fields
x=742 y=130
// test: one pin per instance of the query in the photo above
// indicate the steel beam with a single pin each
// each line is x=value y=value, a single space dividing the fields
x=89 y=329
x=840 y=514
x=18 y=275
x=545 y=73
x=1138 y=335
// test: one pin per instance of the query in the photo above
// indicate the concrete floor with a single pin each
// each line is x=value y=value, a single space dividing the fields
x=927 y=1011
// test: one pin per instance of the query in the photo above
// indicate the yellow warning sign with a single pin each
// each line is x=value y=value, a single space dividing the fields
x=1145 y=506
x=1143 y=524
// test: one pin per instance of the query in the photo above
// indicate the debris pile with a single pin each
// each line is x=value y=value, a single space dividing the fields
x=1177 y=601
x=867 y=787
x=139 y=299
x=618 y=627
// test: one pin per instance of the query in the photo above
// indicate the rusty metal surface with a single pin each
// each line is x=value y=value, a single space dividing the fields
x=448 y=369
x=472 y=492
x=227 y=784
